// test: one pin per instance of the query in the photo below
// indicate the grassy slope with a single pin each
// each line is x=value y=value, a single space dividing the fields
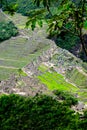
x=55 y=81
x=78 y=78
x=16 y=52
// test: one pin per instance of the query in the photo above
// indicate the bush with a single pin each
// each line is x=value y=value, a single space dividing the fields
x=68 y=99
x=83 y=122
x=41 y=112
x=7 y=29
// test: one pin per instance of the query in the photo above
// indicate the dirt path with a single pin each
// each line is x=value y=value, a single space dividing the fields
x=81 y=71
x=5 y=59
x=8 y=67
x=5 y=15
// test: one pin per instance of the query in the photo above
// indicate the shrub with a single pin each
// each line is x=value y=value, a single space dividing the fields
x=7 y=29
x=68 y=99
x=41 y=112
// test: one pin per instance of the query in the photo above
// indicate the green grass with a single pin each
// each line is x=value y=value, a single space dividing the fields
x=11 y=63
x=78 y=78
x=55 y=81
x=17 y=52
x=6 y=72
x=42 y=68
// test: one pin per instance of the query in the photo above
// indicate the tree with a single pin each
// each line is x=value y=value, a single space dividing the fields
x=40 y=112
x=68 y=15
x=7 y=6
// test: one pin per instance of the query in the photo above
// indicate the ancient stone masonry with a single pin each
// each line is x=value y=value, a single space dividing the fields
x=27 y=86
x=7 y=85
x=31 y=85
x=60 y=65
x=32 y=68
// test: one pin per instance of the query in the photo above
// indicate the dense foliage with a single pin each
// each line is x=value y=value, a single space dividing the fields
x=67 y=40
x=7 y=29
x=67 y=98
x=68 y=15
x=41 y=112
x=38 y=113
x=22 y=6
x=25 y=6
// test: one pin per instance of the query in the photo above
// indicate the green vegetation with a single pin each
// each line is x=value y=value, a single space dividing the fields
x=80 y=79
x=7 y=30
x=67 y=98
x=41 y=112
x=62 y=16
x=6 y=72
x=69 y=16
x=55 y=81
x=18 y=51
x=67 y=40
x=23 y=6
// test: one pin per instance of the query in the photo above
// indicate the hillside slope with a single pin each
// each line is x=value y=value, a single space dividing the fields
x=18 y=51
x=48 y=67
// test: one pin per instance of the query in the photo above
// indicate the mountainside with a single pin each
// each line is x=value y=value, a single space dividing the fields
x=42 y=61
x=43 y=86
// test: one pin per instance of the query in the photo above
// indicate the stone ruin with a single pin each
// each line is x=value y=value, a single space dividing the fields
x=32 y=68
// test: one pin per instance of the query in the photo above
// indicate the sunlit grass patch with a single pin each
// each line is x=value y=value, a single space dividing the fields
x=54 y=81
x=42 y=68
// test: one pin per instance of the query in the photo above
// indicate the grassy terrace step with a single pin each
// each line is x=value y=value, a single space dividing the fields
x=55 y=81
x=19 y=51
x=10 y=63
x=78 y=78
x=6 y=72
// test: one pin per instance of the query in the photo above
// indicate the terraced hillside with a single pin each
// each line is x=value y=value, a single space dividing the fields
x=18 y=51
x=55 y=69
x=47 y=66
